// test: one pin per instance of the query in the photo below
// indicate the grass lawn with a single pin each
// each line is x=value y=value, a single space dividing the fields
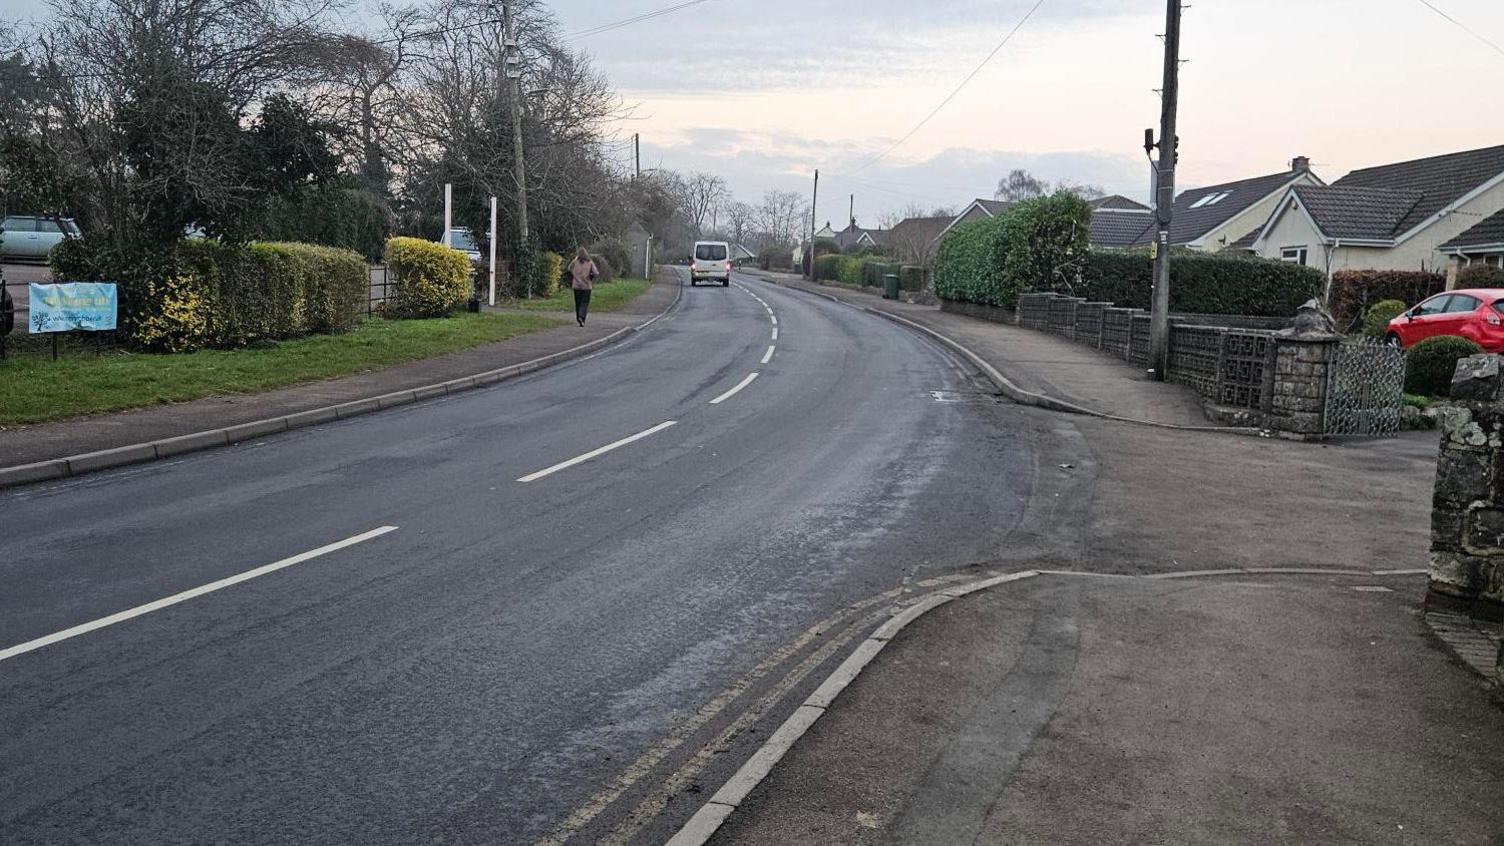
x=608 y=296
x=35 y=389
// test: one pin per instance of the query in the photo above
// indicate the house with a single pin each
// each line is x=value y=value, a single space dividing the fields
x=740 y=253
x=915 y=239
x=1482 y=244
x=854 y=238
x=825 y=233
x=979 y=209
x=1407 y=216
x=1117 y=221
x=1216 y=217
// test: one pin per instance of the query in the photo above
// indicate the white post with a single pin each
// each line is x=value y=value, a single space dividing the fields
x=448 y=214
x=647 y=259
x=493 y=251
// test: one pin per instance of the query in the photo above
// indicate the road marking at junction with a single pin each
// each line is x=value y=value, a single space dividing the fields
x=736 y=390
x=596 y=453
x=768 y=356
x=122 y=616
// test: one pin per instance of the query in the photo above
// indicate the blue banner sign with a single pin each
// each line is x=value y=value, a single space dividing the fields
x=73 y=306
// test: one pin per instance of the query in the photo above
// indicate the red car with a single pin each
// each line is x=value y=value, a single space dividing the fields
x=1476 y=314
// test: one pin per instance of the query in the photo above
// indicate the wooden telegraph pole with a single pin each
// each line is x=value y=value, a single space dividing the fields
x=1159 y=316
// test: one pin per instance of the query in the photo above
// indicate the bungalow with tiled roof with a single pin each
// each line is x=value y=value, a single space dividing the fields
x=1216 y=217
x=1483 y=244
x=915 y=239
x=1117 y=221
x=1405 y=216
x=978 y=209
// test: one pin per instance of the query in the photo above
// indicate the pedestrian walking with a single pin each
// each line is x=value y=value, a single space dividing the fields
x=582 y=275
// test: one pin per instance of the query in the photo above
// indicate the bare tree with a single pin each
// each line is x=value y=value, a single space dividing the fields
x=1020 y=185
x=781 y=218
x=739 y=218
x=703 y=193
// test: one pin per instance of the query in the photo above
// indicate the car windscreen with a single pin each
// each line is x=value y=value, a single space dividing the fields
x=710 y=252
x=461 y=240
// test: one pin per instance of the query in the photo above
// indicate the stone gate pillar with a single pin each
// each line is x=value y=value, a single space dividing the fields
x=1467 y=517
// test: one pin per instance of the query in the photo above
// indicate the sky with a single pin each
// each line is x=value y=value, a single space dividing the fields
x=763 y=93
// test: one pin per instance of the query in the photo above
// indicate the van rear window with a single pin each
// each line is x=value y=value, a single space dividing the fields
x=710 y=252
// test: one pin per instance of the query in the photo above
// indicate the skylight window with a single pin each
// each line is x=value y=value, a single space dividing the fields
x=1211 y=199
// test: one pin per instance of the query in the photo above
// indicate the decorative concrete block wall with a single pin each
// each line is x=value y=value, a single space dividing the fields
x=1467 y=517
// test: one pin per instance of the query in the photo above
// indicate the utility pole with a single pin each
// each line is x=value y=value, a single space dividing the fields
x=636 y=155
x=493 y=251
x=448 y=239
x=1164 y=205
x=814 y=215
x=852 y=214
x=512 y=64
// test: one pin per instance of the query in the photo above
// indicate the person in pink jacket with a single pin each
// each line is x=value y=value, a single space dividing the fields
x=582 y=275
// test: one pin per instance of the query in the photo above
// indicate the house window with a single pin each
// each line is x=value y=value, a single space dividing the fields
x=1211 y=199
x=1494 y=261
x=1293 y=255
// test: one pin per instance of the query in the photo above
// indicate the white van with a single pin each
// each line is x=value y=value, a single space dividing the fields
x=711 y=262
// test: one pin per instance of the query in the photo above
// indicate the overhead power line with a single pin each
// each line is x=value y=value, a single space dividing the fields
x=1464 y=27
x=657 y=13
x=952 y=95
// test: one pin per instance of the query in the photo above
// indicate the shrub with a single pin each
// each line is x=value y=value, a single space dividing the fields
x=1376 y=321
x=1429 y=365
x=911 y=277
x=969 y=265
x=849 y=270
x=606 y=269
x=828 y=267
x=1200 y=283
x=552 y=275
x=1353 y=291
x=179 y=318
x=1045 y=240
x=1481 y=276
x=431 y=279
x=615 y=253
x=348 y=218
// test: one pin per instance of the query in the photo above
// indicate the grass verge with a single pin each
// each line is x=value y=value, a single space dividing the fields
x=36 y=389
x=608 y=296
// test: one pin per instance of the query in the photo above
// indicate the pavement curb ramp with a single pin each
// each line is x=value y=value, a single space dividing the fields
x=1012 y=391
x=709 y=818
x=89 y=462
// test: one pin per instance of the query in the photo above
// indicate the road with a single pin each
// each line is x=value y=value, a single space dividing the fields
x=477 y=656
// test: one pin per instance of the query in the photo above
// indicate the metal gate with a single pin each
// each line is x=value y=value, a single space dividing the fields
x=1365 y=389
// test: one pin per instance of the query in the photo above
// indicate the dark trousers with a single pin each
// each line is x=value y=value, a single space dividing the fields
x=581 y=305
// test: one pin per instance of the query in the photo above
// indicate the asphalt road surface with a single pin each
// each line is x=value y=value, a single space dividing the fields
x=410 y=644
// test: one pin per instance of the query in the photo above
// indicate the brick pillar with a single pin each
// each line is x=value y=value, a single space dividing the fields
x=1467 y=516
x=1297 y=406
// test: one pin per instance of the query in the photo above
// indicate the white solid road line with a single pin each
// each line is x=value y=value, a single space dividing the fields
x=768 y=356
x=734 y=391
x=122 y=616
x=596 y=453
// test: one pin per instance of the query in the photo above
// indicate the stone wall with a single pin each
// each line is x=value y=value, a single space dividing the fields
x=1298 y=403
x=1467 y=517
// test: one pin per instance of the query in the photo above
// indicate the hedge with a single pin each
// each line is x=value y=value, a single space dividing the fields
x=1430 y=364
x=1480 y=276
x=1200 y=283
x=1354 y=291
x=207 y=293
x=431 y=279
x=616 y=256
x=969 y=265
x=553 y=274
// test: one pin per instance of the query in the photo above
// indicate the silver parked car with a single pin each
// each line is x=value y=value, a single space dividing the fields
x=32 y=236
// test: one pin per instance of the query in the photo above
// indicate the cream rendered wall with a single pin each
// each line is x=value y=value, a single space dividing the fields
x=1252 y=218
x=1294 y=229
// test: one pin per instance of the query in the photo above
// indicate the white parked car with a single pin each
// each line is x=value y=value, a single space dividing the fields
x=32 y=236
x=461 y=239
x=711 y=262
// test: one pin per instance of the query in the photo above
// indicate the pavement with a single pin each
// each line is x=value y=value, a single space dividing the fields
x=375 y=631
x=47 y=441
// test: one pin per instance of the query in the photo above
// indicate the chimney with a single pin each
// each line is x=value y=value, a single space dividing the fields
x=1300 y=164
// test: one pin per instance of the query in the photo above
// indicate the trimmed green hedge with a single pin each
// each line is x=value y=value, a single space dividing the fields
x=1430 y=364
x=1200 y=283
x=1480 y=276
x=431 y=279
x=211 y=294
x=969 y=265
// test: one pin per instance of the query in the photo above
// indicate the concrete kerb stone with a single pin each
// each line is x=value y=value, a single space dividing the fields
x=59 y=468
